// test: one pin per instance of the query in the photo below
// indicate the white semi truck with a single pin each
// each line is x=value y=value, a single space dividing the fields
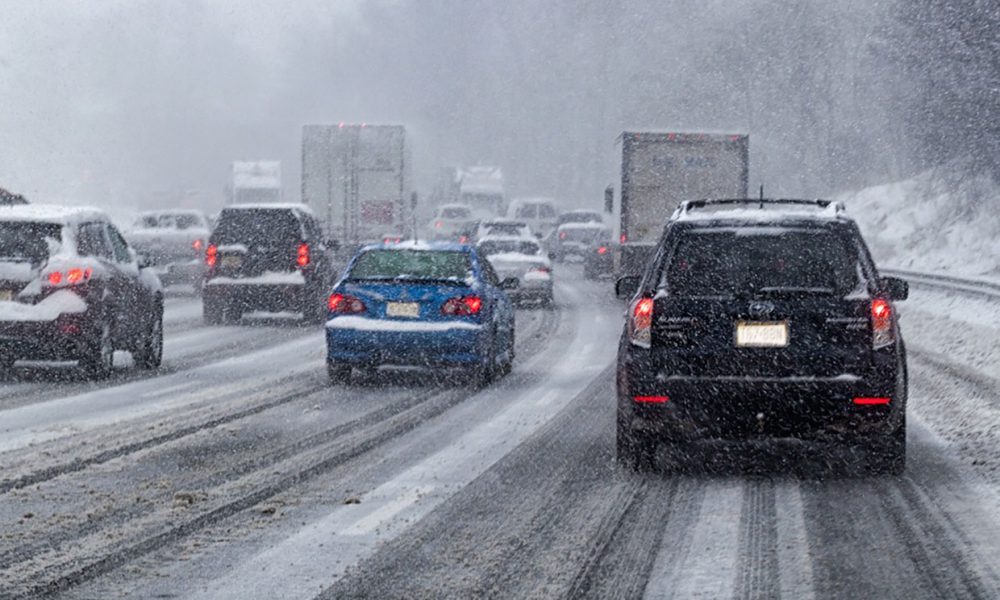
x=256 y=181
x=355 y=179
x=655 y=172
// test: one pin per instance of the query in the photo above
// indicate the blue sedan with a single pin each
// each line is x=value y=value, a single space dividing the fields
x=420 y=304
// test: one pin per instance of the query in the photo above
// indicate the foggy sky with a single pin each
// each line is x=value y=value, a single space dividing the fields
x=122 y=103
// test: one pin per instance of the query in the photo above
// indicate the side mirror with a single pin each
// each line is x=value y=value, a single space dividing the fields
x=894 y=288
x=510 y=283
x=626 y=286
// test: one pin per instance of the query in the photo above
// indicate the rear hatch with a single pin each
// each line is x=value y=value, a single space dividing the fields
x=25 y=248
x=764 y=302
x=250 y=242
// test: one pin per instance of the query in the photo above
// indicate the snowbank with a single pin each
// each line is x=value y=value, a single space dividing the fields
x=930 y=224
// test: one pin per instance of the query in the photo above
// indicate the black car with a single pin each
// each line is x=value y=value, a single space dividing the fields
x=762 y=319
x=71 y=289
x=599 y=260
x=266 y=257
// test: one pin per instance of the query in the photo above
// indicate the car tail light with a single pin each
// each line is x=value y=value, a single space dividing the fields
x=641 y=323
x=437 y=224
x=197 y=245
x=344 y=304
x=562 y=235
x=462 y=307
x=302 y=257
x=871 y=401
x=463 y=239
x=623 y=238
x=651 y=399
x=882 y=332
x=211 y=255
x=540 y=269
x=69 y=277
x=602 y=250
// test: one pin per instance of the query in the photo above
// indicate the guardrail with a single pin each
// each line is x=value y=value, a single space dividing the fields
x=975 y=287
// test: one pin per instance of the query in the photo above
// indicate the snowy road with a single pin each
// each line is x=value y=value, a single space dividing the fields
x=237 y=472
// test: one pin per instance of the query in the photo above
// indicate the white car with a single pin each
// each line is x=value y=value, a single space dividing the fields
x=503 y=227
x=173 y=243
x=514 y=256
x=539 y=213
x=451 y=222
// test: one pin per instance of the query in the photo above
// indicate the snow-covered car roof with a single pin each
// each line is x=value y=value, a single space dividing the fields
x=765 y=212
x=172 y=211
x=52 y=213
x=270 y=206
x=503 y=221
x=419 y=245
x=587 y=225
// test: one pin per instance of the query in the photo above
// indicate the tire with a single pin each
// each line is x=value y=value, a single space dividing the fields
x=337 y=373
x=149 y=353
x=636 y=451
x=98 y=361
x=486 y=371
x=887 y=455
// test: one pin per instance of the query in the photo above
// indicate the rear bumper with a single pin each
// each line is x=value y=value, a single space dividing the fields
x=64 y=338
x=449 y=347
x=529 y=291
x=743 y=407
x=190 y=272
x=249 y=297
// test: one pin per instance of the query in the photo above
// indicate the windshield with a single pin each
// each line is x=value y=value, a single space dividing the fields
x=491 y=247
x=257 y=227
x=28 y=242
x=581 y=234
x=761 y=261
x=411 y=265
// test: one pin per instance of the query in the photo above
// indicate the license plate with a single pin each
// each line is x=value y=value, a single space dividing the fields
x=231 y=262
x=402 y=309
x=762 y=334
x=6 y=295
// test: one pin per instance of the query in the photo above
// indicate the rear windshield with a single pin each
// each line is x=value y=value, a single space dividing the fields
x=581 y=234
x=528 y=211
x=490 y=247
x=171 y=221
x=257 y=227
x=418 y=265
x=762 y=261
x=28 y=242
x=454 y=213
x=504 y=229
x=579 y=217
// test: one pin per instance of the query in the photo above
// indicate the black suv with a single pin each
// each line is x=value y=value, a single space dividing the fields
x=72 y=289
x=266 y=257
x=762 y=318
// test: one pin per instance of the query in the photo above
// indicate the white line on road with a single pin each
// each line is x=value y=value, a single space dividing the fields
x=794 y=558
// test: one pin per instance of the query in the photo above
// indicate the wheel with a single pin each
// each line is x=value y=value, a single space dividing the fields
x=99 y=359
x=635 y=450
x=338 y=373
x=149 y=353
x=486 y=371
x=887 y=455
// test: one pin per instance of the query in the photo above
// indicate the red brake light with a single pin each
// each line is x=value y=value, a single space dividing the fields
x=73 y=276
x=437 y=224
x=342 y=303
x=651 y=399
x=871 y=401
x=602 y=250
x=882 y=333
x=623 y=238
x=540 y=269
x=211 y=255
x=196 y=245
x=55 y=277
x=462 y=307
x=463 y=239
x=302 y=259
x=641 y=323
x=562 y=235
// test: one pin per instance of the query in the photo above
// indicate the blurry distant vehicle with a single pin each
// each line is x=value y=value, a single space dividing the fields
x=654 y=172
x=266 y=257
x=539 y=213
x=762 y=318
x=599 y=260
x=481 y=188
x=503 y=227
x=173 y=243
x=420 y=304
x=521 y=257
x=451 y=222
x=355 y=177
x=580 y=216
x=11 y=199
x=256 y=181
x=576 y=239
x=72 y=289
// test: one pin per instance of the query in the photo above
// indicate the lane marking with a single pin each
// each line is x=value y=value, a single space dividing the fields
x=386 y=509
x=794 y=558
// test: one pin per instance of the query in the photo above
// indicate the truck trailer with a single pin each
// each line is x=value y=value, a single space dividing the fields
x=656 y=171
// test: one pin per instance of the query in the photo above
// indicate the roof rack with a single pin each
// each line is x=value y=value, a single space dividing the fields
x=827 y=205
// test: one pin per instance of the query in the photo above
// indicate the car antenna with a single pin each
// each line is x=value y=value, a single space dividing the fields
x=762 y=196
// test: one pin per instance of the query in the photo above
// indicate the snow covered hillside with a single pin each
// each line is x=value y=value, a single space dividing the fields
x=932 y=223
